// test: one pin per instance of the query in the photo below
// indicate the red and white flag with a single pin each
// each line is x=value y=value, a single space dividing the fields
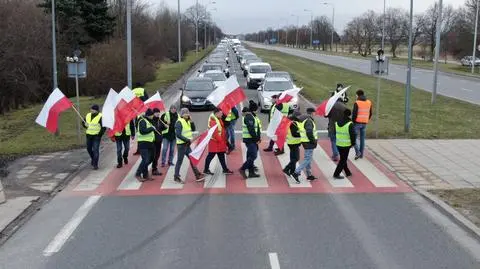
x=324 y=108
x=108 y=109
x=278 y=128
x=227 y=96
x=155 y=102
x=56 y=103
x=202 y=143
x=288 y=95
x=127 y=107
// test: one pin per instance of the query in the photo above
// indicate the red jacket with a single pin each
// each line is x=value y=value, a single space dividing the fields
x=218 y=143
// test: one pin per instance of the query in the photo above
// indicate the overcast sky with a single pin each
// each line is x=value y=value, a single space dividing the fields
x=244 y=16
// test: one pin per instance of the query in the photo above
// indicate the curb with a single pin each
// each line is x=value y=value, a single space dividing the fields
x=2 y=194
x=438 y=203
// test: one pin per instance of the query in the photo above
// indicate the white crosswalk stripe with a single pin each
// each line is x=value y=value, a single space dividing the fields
x=375 y=176
x=218 y=179
x=130 y=182
x=327 y=166
x=284 y=160
x=259 y=182
x=169 y=183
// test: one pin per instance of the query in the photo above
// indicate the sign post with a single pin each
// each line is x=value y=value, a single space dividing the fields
x=379 y=67
x=77 y=68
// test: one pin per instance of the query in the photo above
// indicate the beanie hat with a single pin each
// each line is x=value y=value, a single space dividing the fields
x=149 y=112
x=95 y=107
x=156 y=110
x=184 y=111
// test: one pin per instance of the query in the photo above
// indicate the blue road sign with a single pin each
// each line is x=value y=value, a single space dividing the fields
x=316 y=42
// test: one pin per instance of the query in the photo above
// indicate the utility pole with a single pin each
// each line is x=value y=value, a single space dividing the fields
x=179 y=18
x=205 y=33
x=196 y=29
x=383 y=26
x=475 y=39
x=129 y=43
x=408 y=85
x=437 y=50
x=54 y=47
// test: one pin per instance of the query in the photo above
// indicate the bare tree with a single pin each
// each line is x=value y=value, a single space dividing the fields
x=396 y=28
x=430 y=25
x=322 y=29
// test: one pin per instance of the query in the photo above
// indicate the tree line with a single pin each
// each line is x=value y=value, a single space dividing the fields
x=98 y=29
x=363 y=34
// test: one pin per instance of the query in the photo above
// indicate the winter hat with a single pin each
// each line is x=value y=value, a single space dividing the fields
x=95 y=107
x=149 y=112
x=184 y=111
x=253 y=106
x=173 y=107
x=156 y=110
x=310 y=110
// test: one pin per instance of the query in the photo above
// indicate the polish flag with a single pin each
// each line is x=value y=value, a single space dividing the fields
x=127 y=107
x=288 y=95
x=155 y=102
x=108 y=109
x=227 y=96
x=278 y=128
x=56 y=103
x=324 y=108
x=202 y=143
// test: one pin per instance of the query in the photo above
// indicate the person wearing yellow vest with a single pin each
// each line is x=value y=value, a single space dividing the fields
x=122 y=139
x=229 y=121
x=140 y=92
x=94 y=133
x=160 y=126
x=251 y=135
x=362 y=113
x=293 y=141
x=345 y=139
x=217 y=144
x=308 y=136
x=169 y=139
x=184 y=128
x=146 y=140
x=286 y=110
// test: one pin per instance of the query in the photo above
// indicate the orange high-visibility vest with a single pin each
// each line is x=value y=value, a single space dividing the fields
x=363 y=114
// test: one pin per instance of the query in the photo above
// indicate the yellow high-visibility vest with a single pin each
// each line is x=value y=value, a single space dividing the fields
x=303 y=132
x=149 y=137
x=186 y=130
x=291 y=140
x=93 y=125
x=343 y=135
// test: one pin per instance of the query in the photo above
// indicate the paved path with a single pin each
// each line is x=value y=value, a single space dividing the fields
x=432 y=164
x=456 y=86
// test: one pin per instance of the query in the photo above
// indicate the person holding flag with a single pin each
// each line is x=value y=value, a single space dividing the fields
x=229 y=121
x=217 y=144
x=140 y=92
x=184 y=128
x=308 y=137
x=145 y=139
x=159 y=126
x=170 y=118
x=286 y=110
x=122 y=139
x=94 y=133
x=251 y=135
x=293 y=141
x=345 y=132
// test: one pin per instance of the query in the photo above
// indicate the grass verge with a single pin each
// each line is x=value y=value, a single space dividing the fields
x=448 y=118
x=466 y=201
x=20 y=135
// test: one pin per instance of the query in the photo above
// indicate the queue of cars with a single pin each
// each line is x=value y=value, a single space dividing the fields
x=216 y=70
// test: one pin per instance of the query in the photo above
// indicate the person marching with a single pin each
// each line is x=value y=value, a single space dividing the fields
x=141 y=93
x=217 y=144
x=183 y=130
x=345 y=134
x=159 y=126
x=333 y=116
x=286 y=110
x=251 y=134
x=122 y=139
x=293 y=141
x=94 y=133
x=309 y=136
x=145 y=139
x=362 y=113
x=169 y=138
x=230 y=120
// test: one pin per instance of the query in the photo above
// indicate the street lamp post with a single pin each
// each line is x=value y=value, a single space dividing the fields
x=196 y=28
x=54 y=47
x=311 y=26
x=437 y=50
x=408 y=85
x=179 y=18
x=475 y=38
x=333 y=22
x=383 y=26
x=129 y=43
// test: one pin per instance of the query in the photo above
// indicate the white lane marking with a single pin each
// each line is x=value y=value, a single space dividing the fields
x=274 y=263
x=218 y=180
x=327 y=166
x=468 y=90
x=61 y=238
x=284 y=160
x=374 y=175
x=168 y=182
x=259 y=182
x=130 y=182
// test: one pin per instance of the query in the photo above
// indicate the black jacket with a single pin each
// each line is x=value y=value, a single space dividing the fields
x=337 y=113
x=157 y=123
x=249 y=120
x=351 y=130
x=294 y=129
x=355 y=109
x=102 y=131
x=142 y=129
x=171 y=130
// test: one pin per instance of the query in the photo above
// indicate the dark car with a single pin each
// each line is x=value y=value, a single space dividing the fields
x=221 y=66
x=194 y=94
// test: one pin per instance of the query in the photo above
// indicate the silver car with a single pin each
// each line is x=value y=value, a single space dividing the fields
x=273 y=86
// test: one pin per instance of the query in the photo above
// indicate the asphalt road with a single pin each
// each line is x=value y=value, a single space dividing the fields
x=241 y=231
x=456 y=86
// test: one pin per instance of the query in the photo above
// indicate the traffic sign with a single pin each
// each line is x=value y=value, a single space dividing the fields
x=316 y=42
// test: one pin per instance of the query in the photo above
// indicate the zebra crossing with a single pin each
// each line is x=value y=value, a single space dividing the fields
x=369 y=176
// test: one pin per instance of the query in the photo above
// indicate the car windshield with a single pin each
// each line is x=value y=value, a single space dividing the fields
x=259 y=69
x=278 y=75
x=278 y=86
x=199 y=85
x=216 y=76
x=211 y=67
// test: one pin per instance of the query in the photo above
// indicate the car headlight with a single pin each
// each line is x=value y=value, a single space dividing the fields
x=185 y=99
x=267 y=99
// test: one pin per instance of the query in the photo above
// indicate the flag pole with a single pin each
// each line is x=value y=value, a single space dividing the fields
x=78 y=113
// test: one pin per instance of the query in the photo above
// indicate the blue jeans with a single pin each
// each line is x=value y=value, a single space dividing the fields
x=231 y=135
x=93 y=148
x=360 y=129
x=333 y=141
x=147 y=158
x=122 y=143
x=168 y=146
x=306 y=163
x=252 y=153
